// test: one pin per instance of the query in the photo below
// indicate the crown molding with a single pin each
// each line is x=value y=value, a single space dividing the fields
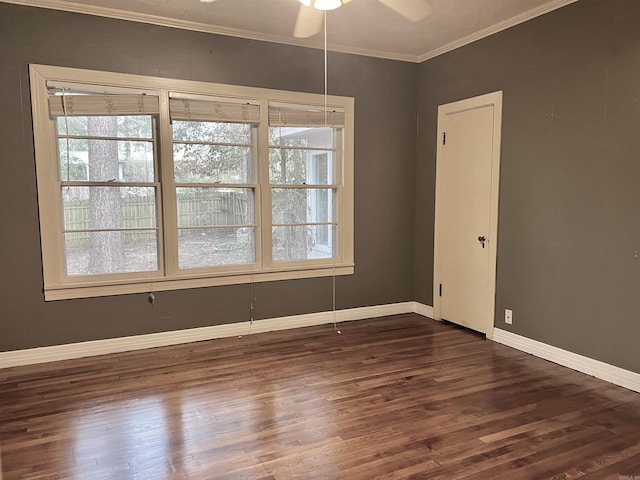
x=99 y=11
x=495 y=28
x=140 y=17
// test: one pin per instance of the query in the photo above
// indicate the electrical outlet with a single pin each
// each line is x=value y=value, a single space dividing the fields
x=508 y=316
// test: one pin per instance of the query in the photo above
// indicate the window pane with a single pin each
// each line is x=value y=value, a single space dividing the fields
x=212 y=132
x=298 y=167
x=204 y=207
x=302 y=137
x=298 y=205
x=212 y=247
x=107 y=208
x=99 y=253
x=106 y=160
x=194 y=163
x=129 y=126
x=304 y=242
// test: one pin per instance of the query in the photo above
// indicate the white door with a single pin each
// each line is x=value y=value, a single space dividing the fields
x=466 y=211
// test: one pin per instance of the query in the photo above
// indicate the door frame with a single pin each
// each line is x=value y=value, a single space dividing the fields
x=494 y=99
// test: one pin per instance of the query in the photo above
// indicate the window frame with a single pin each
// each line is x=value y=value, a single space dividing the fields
x=254 y=184
x=57 y=285
x=153 y=184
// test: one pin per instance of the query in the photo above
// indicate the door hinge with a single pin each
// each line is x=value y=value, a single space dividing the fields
x=440 y=290
x=444 y=138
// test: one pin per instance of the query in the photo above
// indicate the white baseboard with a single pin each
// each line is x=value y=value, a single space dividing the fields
x=124 y=344
x=595 y=368
x=422 y=309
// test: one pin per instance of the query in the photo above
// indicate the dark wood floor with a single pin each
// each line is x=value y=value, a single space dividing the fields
x=399 y=397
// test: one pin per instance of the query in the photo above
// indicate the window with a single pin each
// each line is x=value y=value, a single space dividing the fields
x=305 y=147
x=214 y=157
x=154 y=184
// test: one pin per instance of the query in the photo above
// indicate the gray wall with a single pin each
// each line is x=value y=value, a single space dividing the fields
x=569 y=228
x=385 y=136
x=569 y=234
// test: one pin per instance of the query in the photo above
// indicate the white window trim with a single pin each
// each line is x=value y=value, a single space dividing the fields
x=58 y=286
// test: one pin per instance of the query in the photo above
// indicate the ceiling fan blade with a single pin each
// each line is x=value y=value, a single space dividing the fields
x=412 y=10
x=309 y=22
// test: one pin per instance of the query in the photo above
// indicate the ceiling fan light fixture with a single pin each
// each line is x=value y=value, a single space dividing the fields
x=327 y=4
x=323 y=4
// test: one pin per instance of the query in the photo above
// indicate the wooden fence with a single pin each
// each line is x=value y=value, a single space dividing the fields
x=139 y=213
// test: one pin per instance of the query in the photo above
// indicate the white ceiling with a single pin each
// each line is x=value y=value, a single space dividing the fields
x=363 y=26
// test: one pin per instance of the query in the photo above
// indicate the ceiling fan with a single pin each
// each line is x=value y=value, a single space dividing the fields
x=311 y=13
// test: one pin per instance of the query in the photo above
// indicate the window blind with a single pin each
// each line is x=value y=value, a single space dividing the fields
x=103 y=105
x=285 y=116
x=213 y=111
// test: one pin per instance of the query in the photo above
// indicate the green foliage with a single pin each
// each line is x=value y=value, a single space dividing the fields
x=212 y=152
x=75 y=169
x=287 y=166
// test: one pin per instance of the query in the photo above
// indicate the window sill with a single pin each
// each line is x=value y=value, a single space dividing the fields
x=66 y=292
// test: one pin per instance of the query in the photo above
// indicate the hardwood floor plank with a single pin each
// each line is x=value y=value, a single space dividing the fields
x=400 y=397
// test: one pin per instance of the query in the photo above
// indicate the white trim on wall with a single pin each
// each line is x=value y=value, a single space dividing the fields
x=493 y=29
x=124 y=344
x=168 y=275
x=140 y=17
x=609 y=373
x=595 y=368
x=422 y=309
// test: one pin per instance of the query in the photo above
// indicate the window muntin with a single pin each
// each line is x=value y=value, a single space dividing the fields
x=293 y=206
x=107 y=187
x=213 y=152
x=131 y=251
x=214 y=158
x=139 y=126
x=304 y=224
x=304 y=160
x=216 y=226
x=300 y=167
x=194 y=143
x=214 y=132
